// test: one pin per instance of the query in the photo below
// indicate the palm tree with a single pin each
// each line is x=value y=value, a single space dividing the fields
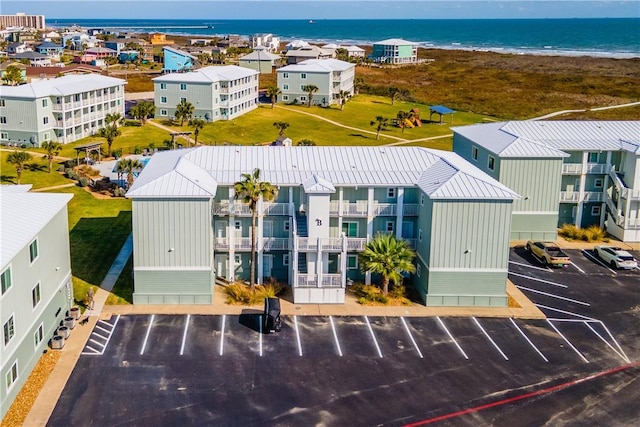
x=358 y=83
x=128 y=166
x=18 y=158
x=250 y=190
x=342 y=54
x=184 y=111
x=343 y=95
x=282 y=126
x=388 y=256
x=110 y=60
x=110 y=133
x=402 y=117
x=197 y=125
x=394 y=94
x=310 y=89
x=272 y=93
x=12 y=76
x=381 y=124
x=52 y=149
x=142 y=110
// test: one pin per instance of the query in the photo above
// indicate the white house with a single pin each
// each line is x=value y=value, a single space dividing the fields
x=35 y=274
x=269 y=41
x=330 y=76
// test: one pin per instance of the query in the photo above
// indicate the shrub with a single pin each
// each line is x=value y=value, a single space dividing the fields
x=117 y=152
x=369 y=294
x=397 y=291
x=272 y=289
x=569 y=231
x=592 y=233
x=70 y=173
x=134 y=123
x=119 y=192
x=61 y=168
x=83 y=182
x=87 y=170
x=240 y=294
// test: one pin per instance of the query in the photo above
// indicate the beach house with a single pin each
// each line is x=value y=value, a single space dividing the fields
x=330 y=76
x=188 y=227
x=395 y=51
x=35 y=274
x=295 y=56
x=217 y=92
x=568 y=172
x=176 y=60
x=260 y=60
x=63 y=109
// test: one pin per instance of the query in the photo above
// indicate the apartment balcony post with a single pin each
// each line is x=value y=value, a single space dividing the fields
x=370 y=200
x=399 y=212
x=583 y=176
x=319 y=263
x=260 y=241
x=231 y=237
x=343 y=259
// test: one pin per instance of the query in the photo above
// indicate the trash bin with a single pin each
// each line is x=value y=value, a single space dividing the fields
x=63 y=331
x=70 y=322
x=75 y=312
x=57 y=342
x=272 y=321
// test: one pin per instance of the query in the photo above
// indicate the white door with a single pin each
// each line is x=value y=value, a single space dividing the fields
x=407 y=229
x=267 y=265
x=221 y=265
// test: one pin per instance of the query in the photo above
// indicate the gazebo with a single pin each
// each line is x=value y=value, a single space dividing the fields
x=87 y=148
x=441 y=110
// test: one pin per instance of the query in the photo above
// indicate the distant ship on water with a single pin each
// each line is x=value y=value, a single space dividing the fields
x=311 y=21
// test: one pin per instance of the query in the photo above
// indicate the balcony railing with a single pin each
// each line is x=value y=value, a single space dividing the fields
x=569 y=196
x=313 y=244
x=276 y=208
x=593 y=196
x=597 y=168
x=410 y=210
x=242 y=209
x=326 y=281
x=275 y=243
x=356 y=244
x=384 y=209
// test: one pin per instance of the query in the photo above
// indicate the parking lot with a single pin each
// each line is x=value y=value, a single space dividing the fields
x=223 y=370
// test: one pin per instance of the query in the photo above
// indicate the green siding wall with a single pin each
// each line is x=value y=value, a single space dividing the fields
x=468 y=288
x=173 y=287
x=534 y=226
x=537 y=181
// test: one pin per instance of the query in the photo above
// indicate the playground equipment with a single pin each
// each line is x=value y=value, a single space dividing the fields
x=412 y=120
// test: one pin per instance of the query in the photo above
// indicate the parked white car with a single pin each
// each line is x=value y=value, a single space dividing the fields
x=616 y=257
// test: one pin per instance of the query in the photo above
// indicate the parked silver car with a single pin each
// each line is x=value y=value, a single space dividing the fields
x=616 y=257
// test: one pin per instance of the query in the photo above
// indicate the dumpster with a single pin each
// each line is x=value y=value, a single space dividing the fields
x=272 y=321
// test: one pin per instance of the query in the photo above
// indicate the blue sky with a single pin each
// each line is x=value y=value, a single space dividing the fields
x=322 y=9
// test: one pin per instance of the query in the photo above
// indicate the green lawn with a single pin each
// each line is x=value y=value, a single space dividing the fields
x=35 y=172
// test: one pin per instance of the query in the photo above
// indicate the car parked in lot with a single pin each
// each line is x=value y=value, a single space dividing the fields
x=548 y=253
x=616 y=257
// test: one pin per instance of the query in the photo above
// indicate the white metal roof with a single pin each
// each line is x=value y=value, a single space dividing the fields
x=325 y=166
x=22 y=216
x=61 y=86
x=259 y=55
x=318 y=66
x=395 y=42
x=550 y=138
x=209 y=74
x=318 y=185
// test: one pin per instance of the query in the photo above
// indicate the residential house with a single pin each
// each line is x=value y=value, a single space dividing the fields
x=17 y=47
x=260 y=60
x=330 y=76
x=159 y=39
x=217 y=92
x=176 y=60
x=51 y=36
x=35 y=275
x=269 y=41
x=38 y=73
x=188 y=227
x=568 y=172
x=79 y=40
x=296 y=56
x=52 y=50
x=35 y=59
x=120 y=44
x=395 y=51
x=295 y=44
x=64 y=109
x=355 y=51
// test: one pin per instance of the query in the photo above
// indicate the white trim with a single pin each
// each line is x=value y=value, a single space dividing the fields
x=4 y=322
x=535 y=213
x=10 y=281
x=196 y=268
x=471 y=270
x=13 y=380
x=37 y=285
x=37 y=250
x=40 y=329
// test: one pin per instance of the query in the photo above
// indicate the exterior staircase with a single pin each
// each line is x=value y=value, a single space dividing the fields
x=303 y=231
x=302 y=262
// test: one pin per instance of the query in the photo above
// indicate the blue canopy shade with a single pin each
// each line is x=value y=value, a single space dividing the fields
x=441 y=109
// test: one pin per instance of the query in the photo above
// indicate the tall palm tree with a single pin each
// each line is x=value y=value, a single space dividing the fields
x=184 y=111
x=197 y=125
x=358 y=83
x=282 y=126
x=381 y=123
x=52 y=150
x=402 y=117
x=128 y=166
x=142 y=110
x=272 y=93
x=310 y=89
x=18 y=158
x=110 y=133
x=250 y=190
x=394 y=94
x=343 y=95
x=12 y=76
x=388 y=256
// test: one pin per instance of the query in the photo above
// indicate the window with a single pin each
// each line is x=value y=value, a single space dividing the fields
x=474 y=153
x=35 y=295
x=285 y=259
x=3 y=120
x=422 y=200
x=33 y=250
x=390 y=226
x=45 y=103
x=391 y=193
x=5 y=279
x=303 y=75
x=12 y=374
x=598 y=183
x=592 y=157
x=45 y=120
x=163 y=112
x=163 y=99
x=183 y=86
x=418 y=270
x=285 y=97
x=595 y=210
x=9 y=330
x=350 y=229
x=237 y=225
x=420 y=235
x=285 y=75
x=285 y=87
x=303 y=99
x=38 y=335
x=4 y=135
x=492 y=163
x=163 y=86
x=286 y=226
x=352 y=262
x=46 y=136
x=237 y=259
x=183 y=99
x=3 y=103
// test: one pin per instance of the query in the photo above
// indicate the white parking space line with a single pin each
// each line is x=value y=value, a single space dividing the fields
x=607 y=343
x=560 y=285
x=224 y=318
x=101 y=344
x=567 y=341
x=614 y=340
x=452 y=338
x=375 y=341
x=524 y=288
x=406 y=328
x=596 y=259
x=530 y=266
x=295 y=322
x=578 y=268
x=565 y=312
x=528 y=340
x=102 y=329
x=93 y=350
x=146 y=337
x=184 y=334
x=335 y=336
x=486 y=334
x=106 y=339
x=260 y=334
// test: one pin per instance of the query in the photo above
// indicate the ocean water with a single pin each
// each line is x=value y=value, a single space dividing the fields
x=607 y=37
